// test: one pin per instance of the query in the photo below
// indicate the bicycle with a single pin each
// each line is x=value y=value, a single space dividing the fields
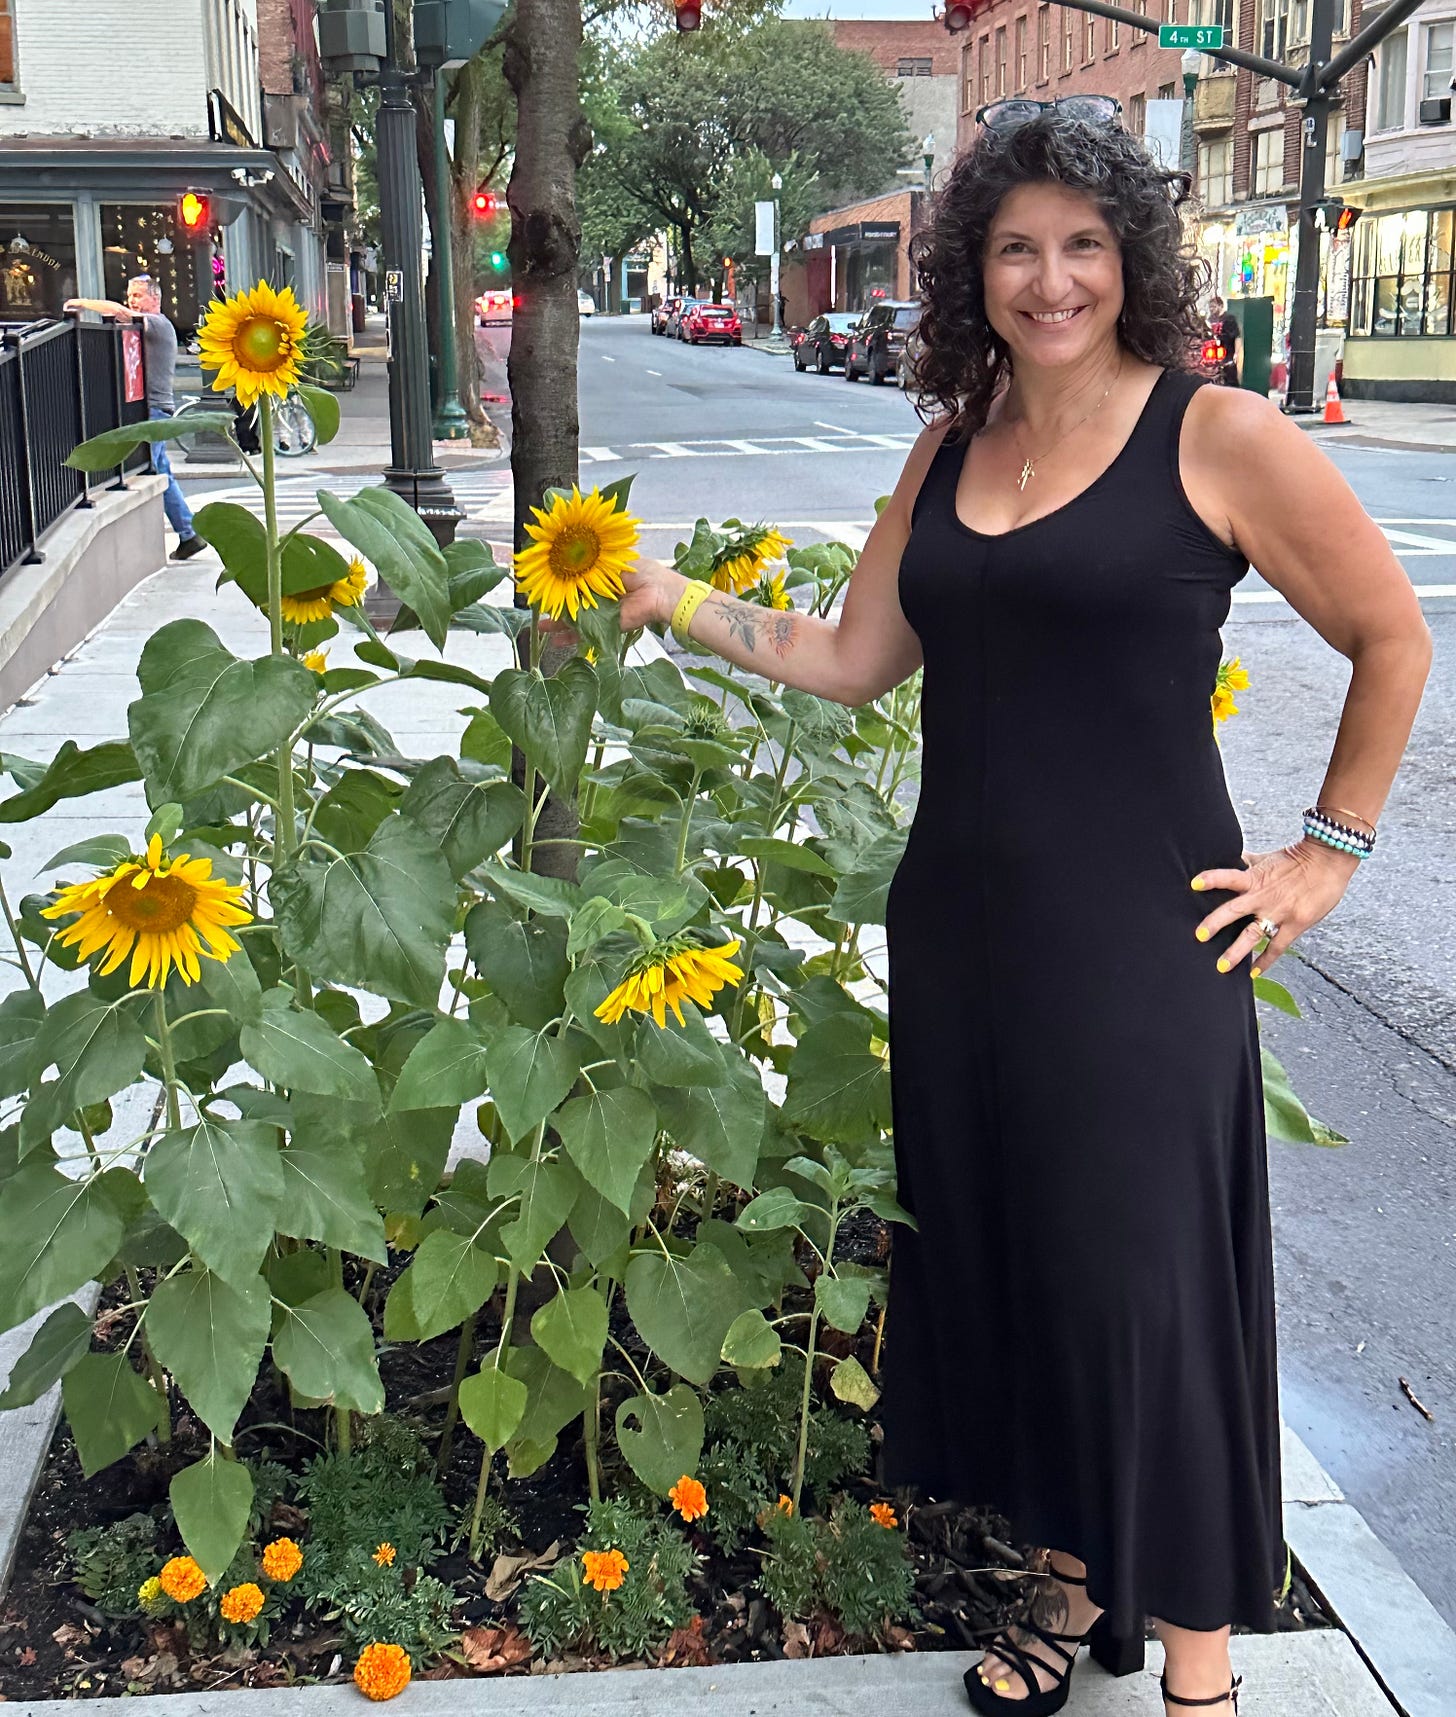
x=294 y=430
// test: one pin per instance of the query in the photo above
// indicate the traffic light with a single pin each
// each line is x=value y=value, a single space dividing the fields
x=483 y=204
x=1214 y=352
x=498 y=261
x=194 y=212
x=959 y=15
x=1333 y=216
x=689 y=14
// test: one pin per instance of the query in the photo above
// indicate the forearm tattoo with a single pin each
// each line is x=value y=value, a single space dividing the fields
x=749 y=624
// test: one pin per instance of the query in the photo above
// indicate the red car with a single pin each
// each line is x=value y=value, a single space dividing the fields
x=711 y=322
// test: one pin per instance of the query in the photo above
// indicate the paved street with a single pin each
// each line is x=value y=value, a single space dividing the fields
x=1366 y=1234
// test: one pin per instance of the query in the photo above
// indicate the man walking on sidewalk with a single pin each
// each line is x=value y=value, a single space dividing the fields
x=159 y=338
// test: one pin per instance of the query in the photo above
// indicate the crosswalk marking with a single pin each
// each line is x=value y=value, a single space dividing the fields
x=595 y=453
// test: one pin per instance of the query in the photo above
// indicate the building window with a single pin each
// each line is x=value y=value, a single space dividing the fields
x=1216 y=172
x=1298 y=21
x=1167 y=92
x=1021 y=72
x=1089 y=39
x=1222 y=12
x=1266 y=169
x=1273 y=28
x=9 y=78
x=37 y=260
x=1069 y=40
x=968 y=81
x=137 y=239
x=1436 y=78
x=1390 y=83
x=1001 y=62
x=1401 y=281
x=1137 y=115
x=1043 y=43
x=1113 y=29
x=917 y=68
x=983 y=60
x=1140 y=36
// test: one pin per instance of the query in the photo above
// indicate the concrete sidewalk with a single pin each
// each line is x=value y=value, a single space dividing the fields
x=1396 y=424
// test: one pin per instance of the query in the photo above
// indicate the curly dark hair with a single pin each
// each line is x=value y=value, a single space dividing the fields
x=959 y=363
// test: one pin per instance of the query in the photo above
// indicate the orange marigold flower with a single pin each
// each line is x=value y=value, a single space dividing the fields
x=182 y=1580
x=689 y=1498
x=241 y=1603
x=382 y=1671
x=281 y=1559
x=384 y=1556
x=605 y=1569
x=785 y=1504
x=883 y=1514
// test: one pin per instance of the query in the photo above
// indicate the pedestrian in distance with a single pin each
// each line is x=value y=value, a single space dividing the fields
x=159 y=341
x=1224 y=326
x=1080 y=1328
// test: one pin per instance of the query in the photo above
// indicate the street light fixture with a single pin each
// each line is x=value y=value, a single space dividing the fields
x=776 y=333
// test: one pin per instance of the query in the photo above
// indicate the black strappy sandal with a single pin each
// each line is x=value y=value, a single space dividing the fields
x=1218 y=1698
x=1117 y=1657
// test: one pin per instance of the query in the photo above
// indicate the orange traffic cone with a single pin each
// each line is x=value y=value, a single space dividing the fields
x=1334 y=413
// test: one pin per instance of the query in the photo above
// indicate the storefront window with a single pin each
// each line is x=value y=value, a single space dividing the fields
x=37 y=260
x=141 y=239
x=1403 y=273
x=7 y=46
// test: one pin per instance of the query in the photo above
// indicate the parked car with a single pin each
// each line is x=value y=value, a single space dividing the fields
x=494 y=305
x=673 y=324
x=825 y=341
x=710 y=322
x=663 y=313
x=586 y=305
x=878 y=340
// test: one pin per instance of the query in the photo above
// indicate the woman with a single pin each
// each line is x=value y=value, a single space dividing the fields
x=1081 y=1330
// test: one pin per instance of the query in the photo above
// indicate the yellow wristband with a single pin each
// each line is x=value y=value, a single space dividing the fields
x=687 y=605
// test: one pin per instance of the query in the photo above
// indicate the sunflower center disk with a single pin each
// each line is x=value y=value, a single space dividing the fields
x=261 y=344
x=574 y=551
x=164 y=905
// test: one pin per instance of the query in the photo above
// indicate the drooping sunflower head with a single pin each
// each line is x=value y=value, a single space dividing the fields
x=255 y=342
x=669 y=973
x=743 y=558
x=580 y=547
x=769 y=592
x=704 y=720
x=162 y=911
x=306 y=606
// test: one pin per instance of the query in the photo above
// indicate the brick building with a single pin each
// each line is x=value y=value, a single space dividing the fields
x=923 y=59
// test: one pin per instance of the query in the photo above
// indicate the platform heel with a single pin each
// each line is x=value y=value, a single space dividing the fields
x=1116 y=1655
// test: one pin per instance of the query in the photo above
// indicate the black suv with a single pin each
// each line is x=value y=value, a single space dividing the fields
x=825 y=342
x=878 y=340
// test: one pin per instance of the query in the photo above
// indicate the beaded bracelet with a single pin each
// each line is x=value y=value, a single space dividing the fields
x=1320 y=826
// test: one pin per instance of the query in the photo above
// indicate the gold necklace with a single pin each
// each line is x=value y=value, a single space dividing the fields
x=1028 y=465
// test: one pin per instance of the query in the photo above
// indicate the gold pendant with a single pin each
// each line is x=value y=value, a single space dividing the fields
x=1027 y=473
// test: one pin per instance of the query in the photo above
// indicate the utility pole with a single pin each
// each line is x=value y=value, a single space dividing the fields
x=776 y=333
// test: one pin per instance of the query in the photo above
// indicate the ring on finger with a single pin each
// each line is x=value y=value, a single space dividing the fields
x=1267 y=927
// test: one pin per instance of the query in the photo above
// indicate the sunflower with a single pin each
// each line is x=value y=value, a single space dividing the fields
x=161 y=911
x=383 y=1670
x=316 y=661
x=605 y=1569
x=769 y=592
x=254 y=341
x=579 y=550
x=743 y=558
x=319 y=603
x=1232 y=677
x=666 y=974
x=689 y=1497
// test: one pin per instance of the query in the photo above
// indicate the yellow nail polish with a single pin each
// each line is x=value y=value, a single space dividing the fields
x=1256 y=971
x=1001 y=1684
x=1202 y=933
x=1198 y=882
x=1223 y=965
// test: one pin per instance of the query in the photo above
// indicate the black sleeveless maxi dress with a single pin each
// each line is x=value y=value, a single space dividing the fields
x=1076 y=1089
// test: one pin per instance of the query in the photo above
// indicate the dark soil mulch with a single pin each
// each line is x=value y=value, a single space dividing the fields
x=55 y=1644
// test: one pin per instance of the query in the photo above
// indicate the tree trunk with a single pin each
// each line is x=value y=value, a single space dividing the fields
x=686 y=263
x=553 y=138
x=464 y=177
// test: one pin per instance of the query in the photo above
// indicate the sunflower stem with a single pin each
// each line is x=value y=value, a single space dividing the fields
x=284 y=828
x=464 y=1350
x=803 y=1448
x=169 y=1066
x=15 y=937
x=154 y=1371
x=343 y=1416
x=680 y=858
x=480 y=1488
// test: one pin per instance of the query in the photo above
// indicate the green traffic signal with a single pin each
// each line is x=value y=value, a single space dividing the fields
x=497 y=259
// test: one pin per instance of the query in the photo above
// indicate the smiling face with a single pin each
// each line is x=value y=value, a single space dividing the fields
x=1052 y=276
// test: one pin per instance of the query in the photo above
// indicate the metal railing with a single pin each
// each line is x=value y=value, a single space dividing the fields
x=60 y=383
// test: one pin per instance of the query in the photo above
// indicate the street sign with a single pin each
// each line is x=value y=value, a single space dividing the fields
x=1205 y=36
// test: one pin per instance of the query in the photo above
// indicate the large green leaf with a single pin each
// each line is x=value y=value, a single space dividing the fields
x=393 y=539
x=324 y=1198
x=298 y=1052
x=97 y=1049
x=571 y=1329
x=204 y=713
x=492 y=1404
x=323 y=408
x=524 y=961
x=211 y=1501
x=546 y=1190
x=1285 y=1116
x=326 y=1346
x=668 y=1443
x=239 y=537
x=109 y=1408
x=851 y=1382
x=837 y=1085
x=469 y=820
x=54 y=1349
x=550 y=719
x=449 y=1278
x=553 y=1396
x=842 y=1300
x=220 y=1186
x=609 y=1135
x=447 y=1065
x=55 y=1235
x=109 y=448
x=379 y=919
x=686 y=1055
x=233 y=984
x=683 y=1307
x=530 y=1072
x=722 y=1124
x=752 y=1343
x=211 y=1335
x=71 y=774
x=861 y=893
x=21 y=1014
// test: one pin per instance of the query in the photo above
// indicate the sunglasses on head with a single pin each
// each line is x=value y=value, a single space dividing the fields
x=1090 y=109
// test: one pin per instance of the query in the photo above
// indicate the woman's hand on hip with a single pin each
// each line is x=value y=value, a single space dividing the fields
x=1294 y=887
x=652 y=592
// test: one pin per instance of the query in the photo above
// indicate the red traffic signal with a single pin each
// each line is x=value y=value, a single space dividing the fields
x=1214 y=352
x=483 y=204
x=961 y=14
x=689 y=14
x=194 y=212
